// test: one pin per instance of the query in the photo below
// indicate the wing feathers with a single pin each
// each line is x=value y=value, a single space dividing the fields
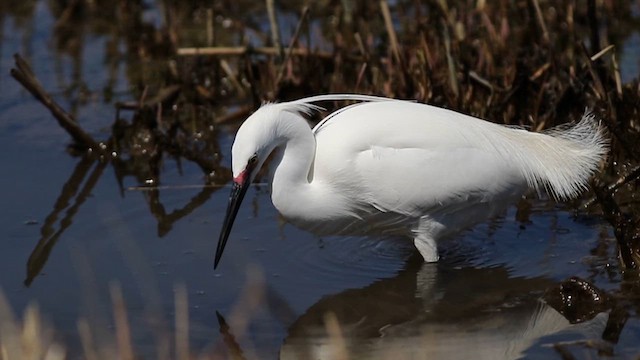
x=560 y=160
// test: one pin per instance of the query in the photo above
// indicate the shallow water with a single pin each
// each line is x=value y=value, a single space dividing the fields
x=276 y=284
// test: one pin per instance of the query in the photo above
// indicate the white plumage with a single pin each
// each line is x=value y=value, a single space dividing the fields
x=399 y=167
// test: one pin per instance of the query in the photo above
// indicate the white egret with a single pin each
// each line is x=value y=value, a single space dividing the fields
x=385 y=166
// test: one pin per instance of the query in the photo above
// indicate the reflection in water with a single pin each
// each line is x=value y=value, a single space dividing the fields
x=228 y=338
x=433 y=311
x=133 y=155
x=49 y=236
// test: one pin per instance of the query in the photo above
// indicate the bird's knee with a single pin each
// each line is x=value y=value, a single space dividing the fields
x=427 y=248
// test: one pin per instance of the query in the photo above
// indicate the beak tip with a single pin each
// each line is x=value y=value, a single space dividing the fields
x=237 y=194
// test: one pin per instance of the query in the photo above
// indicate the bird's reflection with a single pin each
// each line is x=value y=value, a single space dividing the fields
x=432 y=311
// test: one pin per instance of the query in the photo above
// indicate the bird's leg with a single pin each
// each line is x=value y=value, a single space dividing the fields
x=427 y=247
x=424 y=238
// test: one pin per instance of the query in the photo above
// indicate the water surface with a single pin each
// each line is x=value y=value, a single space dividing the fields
x=276 y=284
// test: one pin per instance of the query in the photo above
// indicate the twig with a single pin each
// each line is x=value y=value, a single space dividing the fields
x=336 y=337
x=232 y=77
x=88 y=347
x=358 y=38
x=143 y=97
x=616 y=75
x=453 y=79
x=123 y=331
x=294 y=40
x=244 y=50
x=182 y=323
x=540 y=17
x=611 y=188
x=541 y=70
x=484 y=82
x=229 y=339
x=275 y=28
x=444 y=9
x=393 y=39
x=564 y=353
x=363 y=68
x=241 y=113
x=602 y=52
x=626 y=231
x=162 y=96
x=211 y=34
x=180 y=187
x=593 y=25
x=25 y=76
x=600 y=92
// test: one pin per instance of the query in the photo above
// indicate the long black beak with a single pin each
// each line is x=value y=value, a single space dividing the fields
x=235 y=199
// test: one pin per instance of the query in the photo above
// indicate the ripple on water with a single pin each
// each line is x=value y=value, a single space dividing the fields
x=340 y=258
x=550 y=243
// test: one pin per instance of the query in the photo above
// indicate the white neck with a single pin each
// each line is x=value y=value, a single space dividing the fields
x=295 y=192
x=291 y=181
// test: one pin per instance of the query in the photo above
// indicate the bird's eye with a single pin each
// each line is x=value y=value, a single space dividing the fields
x=253 y=160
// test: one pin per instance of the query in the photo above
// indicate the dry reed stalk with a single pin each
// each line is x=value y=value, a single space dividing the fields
x=491 y=29
x=570 y=17
x=275 y=28
x=249 y=302
x=233 y=348
x=239 y=114
x=245 y=50
x=363 y=68
x=232 y=77
x=358 y=38
x=451 y=67
x=613 y=186
x=616 y=69
x=182 y=323
x=597 y=82
x=616 y=74
x=592 y=16
x=484 y=82
x=9 y=331
x=391 y=32
x=211 y=35
x=123 y=332
x=86 y=340
x=540 y=71
x=337 y=341
x=31 y=339
x=541 y=22
x=602 y=52
x=25 y=76
x=294 y=40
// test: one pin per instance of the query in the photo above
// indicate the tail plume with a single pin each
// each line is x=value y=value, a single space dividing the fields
x=562 y=159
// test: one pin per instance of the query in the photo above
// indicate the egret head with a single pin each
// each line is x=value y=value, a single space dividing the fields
x=254 y=141
x=258 y=136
